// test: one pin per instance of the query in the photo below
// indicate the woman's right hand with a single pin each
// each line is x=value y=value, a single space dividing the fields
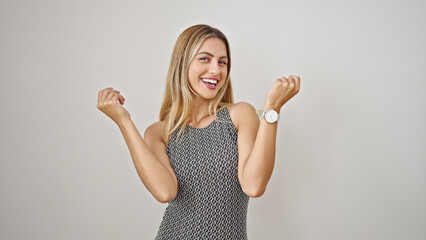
x=109 y=102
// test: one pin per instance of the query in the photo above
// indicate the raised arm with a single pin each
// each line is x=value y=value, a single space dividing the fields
x=257 y=141
x=151 y=161
x=149 y=155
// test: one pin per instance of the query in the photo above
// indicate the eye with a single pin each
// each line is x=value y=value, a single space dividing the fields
x=223 y=62
x=203 y=59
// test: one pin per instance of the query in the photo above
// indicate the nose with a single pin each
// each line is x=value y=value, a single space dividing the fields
x=214 y=67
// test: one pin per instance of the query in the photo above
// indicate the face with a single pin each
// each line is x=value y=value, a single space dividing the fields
x=208 y=70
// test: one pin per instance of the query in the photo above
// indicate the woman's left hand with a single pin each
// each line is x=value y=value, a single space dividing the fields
x=282 y=91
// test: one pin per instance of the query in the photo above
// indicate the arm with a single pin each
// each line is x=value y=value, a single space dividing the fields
x=150 y=160
x=149 y=156
x=257 y=141
x=256 y=149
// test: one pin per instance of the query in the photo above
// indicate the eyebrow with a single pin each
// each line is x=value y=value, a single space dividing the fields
x=211 y=55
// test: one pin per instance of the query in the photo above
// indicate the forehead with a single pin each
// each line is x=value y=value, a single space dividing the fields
x=213 y=45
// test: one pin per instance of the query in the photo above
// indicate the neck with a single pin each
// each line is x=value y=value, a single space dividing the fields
x=201 y=110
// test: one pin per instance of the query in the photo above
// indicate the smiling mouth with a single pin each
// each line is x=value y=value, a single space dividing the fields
x=210 y=83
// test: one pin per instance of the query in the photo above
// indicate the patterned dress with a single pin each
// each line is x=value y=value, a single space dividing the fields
x=210 y=203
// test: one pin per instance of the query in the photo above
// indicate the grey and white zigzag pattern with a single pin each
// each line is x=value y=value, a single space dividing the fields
x=210 y=203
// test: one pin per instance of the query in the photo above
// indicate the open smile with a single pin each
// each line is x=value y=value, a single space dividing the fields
x=210 y=83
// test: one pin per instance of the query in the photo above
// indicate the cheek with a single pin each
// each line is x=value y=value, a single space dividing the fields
x=193 y=71
x=224 y=73
x=191 y=74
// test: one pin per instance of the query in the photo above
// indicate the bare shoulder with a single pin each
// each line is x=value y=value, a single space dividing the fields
x=241 y=107
x=155 y=132
x=242 y=112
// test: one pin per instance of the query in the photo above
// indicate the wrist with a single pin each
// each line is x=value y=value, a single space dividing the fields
x=271 y=106
x=123 y=123
x=270 y=115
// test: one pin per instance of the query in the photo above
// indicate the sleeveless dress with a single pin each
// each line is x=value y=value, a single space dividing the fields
x=210 y=203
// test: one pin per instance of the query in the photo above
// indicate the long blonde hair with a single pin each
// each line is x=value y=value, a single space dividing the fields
x=178 y=101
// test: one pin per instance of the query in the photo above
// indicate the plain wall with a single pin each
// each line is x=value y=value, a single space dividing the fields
x=351 y=144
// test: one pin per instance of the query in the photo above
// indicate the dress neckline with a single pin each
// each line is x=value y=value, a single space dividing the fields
x=211 y=123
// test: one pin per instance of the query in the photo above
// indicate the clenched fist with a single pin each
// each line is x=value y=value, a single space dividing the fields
x=282 y=91
x=109 y=102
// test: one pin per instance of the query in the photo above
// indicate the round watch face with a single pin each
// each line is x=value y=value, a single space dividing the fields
x=271 y=116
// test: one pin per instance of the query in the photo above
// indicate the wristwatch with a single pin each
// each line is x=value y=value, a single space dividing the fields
x=270 y=115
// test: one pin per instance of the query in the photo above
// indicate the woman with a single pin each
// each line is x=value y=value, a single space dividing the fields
x=206 y=156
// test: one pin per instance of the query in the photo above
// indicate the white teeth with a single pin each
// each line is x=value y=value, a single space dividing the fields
x=209 y=81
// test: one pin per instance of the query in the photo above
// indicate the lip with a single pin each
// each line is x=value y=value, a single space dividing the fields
x=212 y=78
x=208 y=85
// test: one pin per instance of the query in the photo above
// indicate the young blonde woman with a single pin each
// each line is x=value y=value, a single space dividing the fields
x=206 y=155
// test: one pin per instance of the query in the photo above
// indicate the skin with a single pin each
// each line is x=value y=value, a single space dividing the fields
x=210 y=62
x=256 y=138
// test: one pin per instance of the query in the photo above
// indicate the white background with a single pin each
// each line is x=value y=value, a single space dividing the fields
x=351 y=145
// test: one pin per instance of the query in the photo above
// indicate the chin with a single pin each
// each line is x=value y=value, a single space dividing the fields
x=209 y=97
